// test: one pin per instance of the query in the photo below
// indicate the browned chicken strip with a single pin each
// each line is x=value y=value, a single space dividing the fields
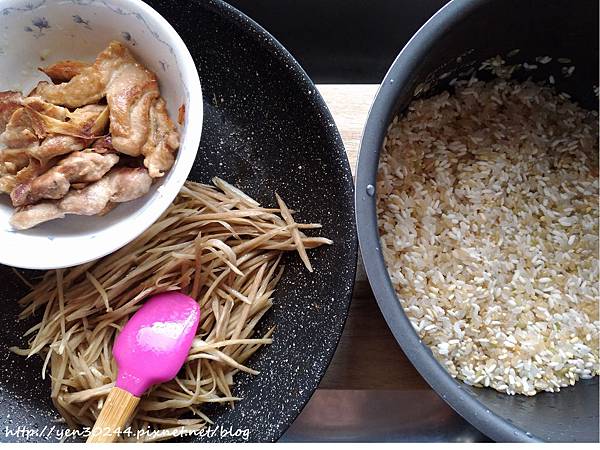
x=57 y=145
x=85 y=88
x=38 y=104
x=22 y=130
x=83 y=117
x=10 y=101
x=34 y=169
x=7 y=183
x=112 y=67
x=91 y=117
x=11 y=160
x=130 y=93
x=91 y=120
x=20 y=168
x=79 y=123
x=27 y=126
x=36 y=214
x=128 y=184
x=63 y=71
x=163 y=141
x=90 y=84
x=78 y=167
x=11 y=163
x=119 y=185
x=139 y=123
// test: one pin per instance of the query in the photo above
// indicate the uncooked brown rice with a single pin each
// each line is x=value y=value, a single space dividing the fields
x=488 y=217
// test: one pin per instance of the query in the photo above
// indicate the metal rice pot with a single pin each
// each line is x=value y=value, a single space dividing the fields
x=452 y=44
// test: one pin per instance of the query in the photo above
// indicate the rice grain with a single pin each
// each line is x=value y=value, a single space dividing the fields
x=488 y=218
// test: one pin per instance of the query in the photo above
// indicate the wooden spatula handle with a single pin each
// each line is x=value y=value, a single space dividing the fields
x=115 y=415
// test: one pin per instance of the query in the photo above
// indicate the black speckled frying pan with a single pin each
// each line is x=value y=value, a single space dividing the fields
x=266 y=129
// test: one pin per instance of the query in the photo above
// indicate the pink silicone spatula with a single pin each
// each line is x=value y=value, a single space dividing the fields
x=150 y=349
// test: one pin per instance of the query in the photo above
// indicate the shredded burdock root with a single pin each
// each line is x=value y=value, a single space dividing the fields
x=218 y=246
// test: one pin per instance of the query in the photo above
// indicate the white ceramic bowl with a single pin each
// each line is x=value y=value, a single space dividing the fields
x=34 y=33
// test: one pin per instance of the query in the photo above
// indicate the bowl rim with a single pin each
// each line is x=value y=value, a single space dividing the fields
x=165 y=193
x=395 y=84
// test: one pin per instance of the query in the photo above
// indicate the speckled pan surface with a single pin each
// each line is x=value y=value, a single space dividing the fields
x=266 y=129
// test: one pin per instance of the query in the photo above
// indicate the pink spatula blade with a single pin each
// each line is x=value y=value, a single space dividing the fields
x=155 y=342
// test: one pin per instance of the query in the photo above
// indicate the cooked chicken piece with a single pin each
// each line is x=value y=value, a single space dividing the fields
x=163 y=141
x=78 y=167
x=91 y=116
x=89 y=85
x=63 y=71
x=181 y=115
x=22 y=130
x=11 y=162
x=7 y=183
x=41 y=106
x=83 y=117
x=128 y=183
x=19 y=167
x=33 y=169
x=10 y=101
x=54 y=146
x=89 y=123
x=108 y=208
x=27 y=126
x=79 y=123
x=83 y=89
x=131 y=91
x=33 y=215
x=119 y=185
x=114 y=65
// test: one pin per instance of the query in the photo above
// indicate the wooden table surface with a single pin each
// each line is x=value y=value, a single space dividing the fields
x=381 y=365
